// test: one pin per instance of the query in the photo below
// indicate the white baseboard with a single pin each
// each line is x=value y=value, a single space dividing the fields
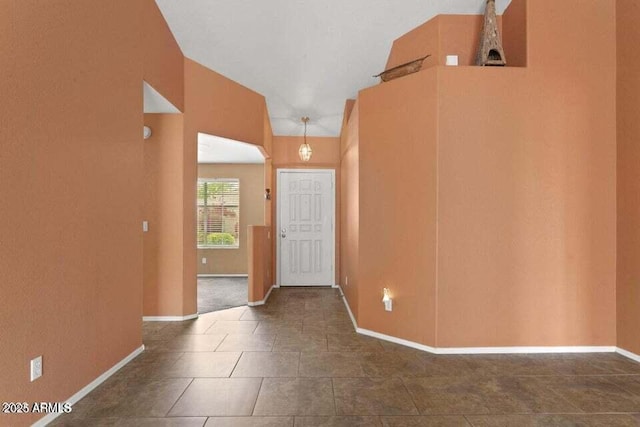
x=90 y=387
x=628 y=354
x=204 y=276
x=484 y=350
x=275 y=285
x=488 y=350
x=395 y=340
x=263 y=301
x=346 y=304
x=525 y=350
x=169 y=318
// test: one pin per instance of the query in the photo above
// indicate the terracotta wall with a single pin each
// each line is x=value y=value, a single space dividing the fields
x=514 y=33
x=628 y=290
x=234 y=261
x=523 y=161
x=259 y=262
x=350 y=205
x=397 y=226
x=71 y=162
x=215 y=105
x=163 y=210
x=441 y=36
x=268 y=167
x=326 y=155
x=163 y=61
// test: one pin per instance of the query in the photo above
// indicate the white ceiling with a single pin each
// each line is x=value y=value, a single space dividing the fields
x=215 y=149
x=154 y=102
x=305 y=56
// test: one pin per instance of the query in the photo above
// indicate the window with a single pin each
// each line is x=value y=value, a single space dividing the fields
x=218 y=213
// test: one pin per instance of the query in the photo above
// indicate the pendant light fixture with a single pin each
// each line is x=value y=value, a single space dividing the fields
x=305 y=150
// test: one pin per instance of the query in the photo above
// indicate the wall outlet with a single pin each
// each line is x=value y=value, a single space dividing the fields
x=36 y=368
x=204 y=260
x=145 y=226
x=346 y=280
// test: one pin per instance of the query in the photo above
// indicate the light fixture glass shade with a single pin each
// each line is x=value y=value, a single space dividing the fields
x=305 y=152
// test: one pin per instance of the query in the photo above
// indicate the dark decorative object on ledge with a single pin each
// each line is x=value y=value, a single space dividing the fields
x=267 y=194
x=490 y=51
x=402 y=70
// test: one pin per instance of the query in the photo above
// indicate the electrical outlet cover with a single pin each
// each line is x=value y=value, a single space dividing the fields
x=36 y=368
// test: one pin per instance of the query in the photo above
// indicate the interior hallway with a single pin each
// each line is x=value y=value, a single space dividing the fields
x=297 y=362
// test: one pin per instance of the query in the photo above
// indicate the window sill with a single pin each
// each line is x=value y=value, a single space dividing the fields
x=218 y=247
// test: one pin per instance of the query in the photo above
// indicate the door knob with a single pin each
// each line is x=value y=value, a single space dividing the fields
x=284 y=233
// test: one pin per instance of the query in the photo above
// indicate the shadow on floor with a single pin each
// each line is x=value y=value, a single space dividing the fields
x=220 y=293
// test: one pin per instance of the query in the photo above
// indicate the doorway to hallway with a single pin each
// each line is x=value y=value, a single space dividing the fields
x=220 y=293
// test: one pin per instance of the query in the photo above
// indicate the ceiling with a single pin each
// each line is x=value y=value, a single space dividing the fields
x=307 y=57
x=215 y=149
x=154 y=102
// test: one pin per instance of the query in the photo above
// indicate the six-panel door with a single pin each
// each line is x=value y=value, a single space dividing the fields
x=306 y=228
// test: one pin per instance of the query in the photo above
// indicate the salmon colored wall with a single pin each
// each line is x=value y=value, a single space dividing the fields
x=71 y=163
x=326 y=155
x=397 y=226
x=350 y=205
x=527 y=217
x=268 y=166
x=163 y=60
x=517 y=168
x=514 y=35
x=218 y=106
x=346 y=116
x=628 y=290
x=163 y=210
x=441 y=36
x=259 y=260
x=234 y=261
x=421 y=41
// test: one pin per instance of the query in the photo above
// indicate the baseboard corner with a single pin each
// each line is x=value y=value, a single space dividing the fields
x=262 y=301
x=90 y=387
x=170 y=318
x=628 y=354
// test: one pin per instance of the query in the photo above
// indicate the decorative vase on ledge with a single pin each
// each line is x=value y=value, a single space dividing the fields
x=490 y=52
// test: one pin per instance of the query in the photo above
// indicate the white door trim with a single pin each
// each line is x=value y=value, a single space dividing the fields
x=332 y=172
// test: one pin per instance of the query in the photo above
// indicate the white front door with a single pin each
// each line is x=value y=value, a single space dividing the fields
x=306 y=200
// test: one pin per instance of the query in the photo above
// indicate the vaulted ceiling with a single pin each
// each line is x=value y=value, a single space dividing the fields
x=305 y=56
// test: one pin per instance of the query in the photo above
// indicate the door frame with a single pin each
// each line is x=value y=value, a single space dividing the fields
x=332 y=172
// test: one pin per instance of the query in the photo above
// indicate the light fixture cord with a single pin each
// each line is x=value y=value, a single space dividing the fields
x=305 y=131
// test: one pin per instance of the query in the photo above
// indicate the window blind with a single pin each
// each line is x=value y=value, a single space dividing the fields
x=218 y=204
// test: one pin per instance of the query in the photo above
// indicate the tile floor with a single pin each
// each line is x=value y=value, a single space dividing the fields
x=297 y=362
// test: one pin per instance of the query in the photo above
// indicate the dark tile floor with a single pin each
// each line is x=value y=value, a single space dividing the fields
x=298 y=362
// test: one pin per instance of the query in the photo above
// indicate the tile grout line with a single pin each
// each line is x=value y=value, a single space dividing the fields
x=467 y=420
x=179 y=397
x=415 y=405
x=236 y=364
x=255 y=403
x=220 y=343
